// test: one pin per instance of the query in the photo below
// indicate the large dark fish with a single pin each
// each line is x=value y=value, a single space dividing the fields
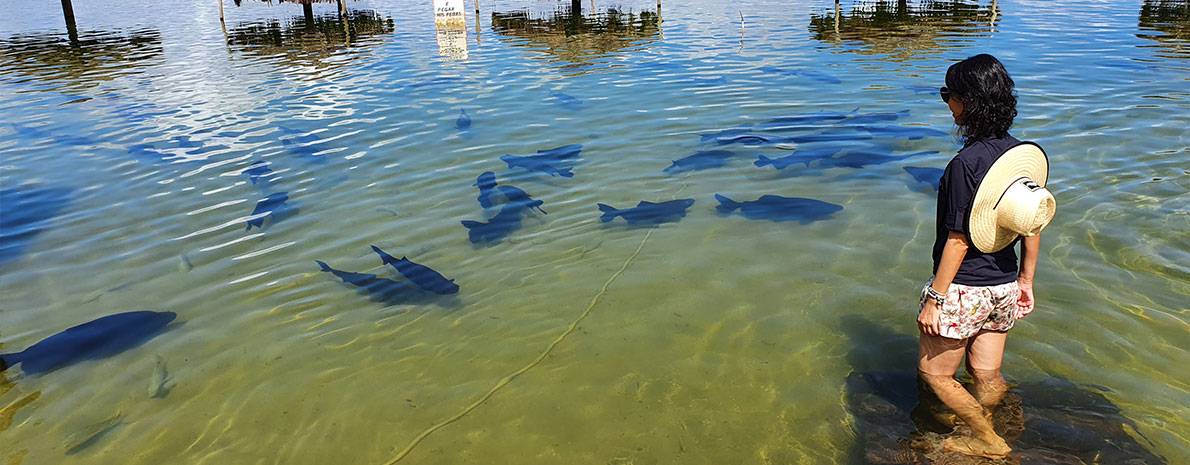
x=378 y=289
x=776 y=208
x=931 y=176
x=566 y=100
x=869 y=118
x=514 y=196
x=557 y=154
x=701 y=160
x=257 y=170
x=24 y=212
x=486 y=182
x=648 y=213
x=95 y=339
x=750 y=139
x=464 y=121
x=423 y=276
x=265 y=207
x=497 y=227
x=532 y=163
x=715 y=136
x=804 y=156
x=860 y=159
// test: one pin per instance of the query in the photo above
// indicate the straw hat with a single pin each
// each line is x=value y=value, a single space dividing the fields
x=1012 y=200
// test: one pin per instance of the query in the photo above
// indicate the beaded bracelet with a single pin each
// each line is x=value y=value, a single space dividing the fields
x=940 y=298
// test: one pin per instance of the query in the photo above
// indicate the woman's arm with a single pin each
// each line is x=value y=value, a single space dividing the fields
x=952 y=256
x=1030 y=246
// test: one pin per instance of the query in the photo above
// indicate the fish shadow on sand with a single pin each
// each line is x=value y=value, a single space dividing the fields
x=1053 y=421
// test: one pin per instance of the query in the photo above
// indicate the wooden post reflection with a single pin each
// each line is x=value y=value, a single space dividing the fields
x=992 y=22
x=308 y=11
x=836 y=19
x=71 y=28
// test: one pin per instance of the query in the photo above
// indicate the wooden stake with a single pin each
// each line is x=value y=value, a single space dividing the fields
x=71 y=29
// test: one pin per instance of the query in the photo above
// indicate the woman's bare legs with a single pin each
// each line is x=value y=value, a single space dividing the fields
x=938 y=359
x=985 y=353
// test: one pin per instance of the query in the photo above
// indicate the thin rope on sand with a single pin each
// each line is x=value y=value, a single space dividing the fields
x=550 y=348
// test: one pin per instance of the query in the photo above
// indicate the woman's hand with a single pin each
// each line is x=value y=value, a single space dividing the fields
x=927 y=320
x=1024 y=303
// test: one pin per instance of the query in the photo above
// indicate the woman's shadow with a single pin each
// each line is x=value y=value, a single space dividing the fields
x=1052 y=421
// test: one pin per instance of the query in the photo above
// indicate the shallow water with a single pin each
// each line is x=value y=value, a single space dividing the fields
x=717 y=339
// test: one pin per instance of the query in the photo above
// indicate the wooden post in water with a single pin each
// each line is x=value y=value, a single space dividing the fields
x=71 y=29
x=836 y=19
x=343 y=7
x=221 y=11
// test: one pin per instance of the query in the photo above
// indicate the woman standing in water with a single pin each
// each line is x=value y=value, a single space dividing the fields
x=989 y=196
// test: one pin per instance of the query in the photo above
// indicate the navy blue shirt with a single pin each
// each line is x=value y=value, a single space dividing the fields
x=956 y=192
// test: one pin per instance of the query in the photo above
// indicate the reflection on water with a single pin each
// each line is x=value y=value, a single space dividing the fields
x=97 y=56
x=1050 y=421
x=902 y=31
x=1168 y=23
x=576 y=39
x=308 y=39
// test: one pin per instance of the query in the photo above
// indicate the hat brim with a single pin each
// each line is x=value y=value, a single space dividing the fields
x=1025 y=159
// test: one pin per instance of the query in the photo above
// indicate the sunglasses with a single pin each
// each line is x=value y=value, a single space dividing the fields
x=945 y=93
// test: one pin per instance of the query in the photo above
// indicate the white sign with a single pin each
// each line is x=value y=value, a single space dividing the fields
x=449 y=12
x=451 y=23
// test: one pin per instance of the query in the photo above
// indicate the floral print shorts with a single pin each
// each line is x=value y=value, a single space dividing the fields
x=969 y=309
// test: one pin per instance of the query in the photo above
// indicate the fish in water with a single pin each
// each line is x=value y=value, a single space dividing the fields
x=486 y=182
x=266 y=207
x=908 y=132
x=423 y=276
x=565 y=100
x=307 y=146
x=464 y=121
x=777 y=208
x=497 y=227
x=184 y=264
x=750 y=139
x=860 y=159
x=514 y=196
x=257 y=170
x=558 y=154
x=82 y=438
x=24 y=212
x=931 y=176
x=701 y=160
x=158 y=379
x=648 y=213
x=99 y=338
x=869 y=118
x=733 y=131
x=532 y=163
x=804 y=156
x=379 y=289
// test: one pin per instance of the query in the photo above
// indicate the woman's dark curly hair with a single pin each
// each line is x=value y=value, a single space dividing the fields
x=986 y=90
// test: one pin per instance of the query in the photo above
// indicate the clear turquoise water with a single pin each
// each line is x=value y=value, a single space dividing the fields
x=713 y=340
